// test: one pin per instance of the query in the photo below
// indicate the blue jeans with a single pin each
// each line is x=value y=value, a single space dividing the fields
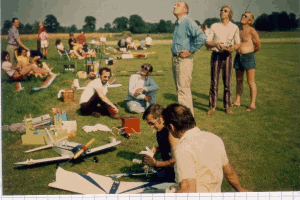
x=140 y=105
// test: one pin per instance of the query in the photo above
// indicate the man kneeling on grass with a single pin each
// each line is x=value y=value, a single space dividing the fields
x=166 y=143
x=94 y=94
x=200 y=156
x=141 y=90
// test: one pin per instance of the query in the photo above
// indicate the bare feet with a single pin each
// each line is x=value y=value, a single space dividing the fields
x=236 y=104
x=249 y=109
x=211 y=111
x=228 y=111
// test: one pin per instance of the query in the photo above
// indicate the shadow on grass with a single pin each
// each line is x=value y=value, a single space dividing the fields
x=170 y=96
x=128 y=155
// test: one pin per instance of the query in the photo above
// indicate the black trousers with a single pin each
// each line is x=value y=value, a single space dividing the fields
x=95 y=104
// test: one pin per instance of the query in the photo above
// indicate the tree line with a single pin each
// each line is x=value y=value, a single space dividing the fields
x=276 y=21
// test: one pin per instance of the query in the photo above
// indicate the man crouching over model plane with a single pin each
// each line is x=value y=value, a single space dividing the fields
x=94 y=94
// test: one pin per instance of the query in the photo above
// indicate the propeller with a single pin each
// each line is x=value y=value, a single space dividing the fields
x=83 y=148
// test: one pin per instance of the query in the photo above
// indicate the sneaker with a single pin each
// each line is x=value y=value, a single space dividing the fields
x=211 y=111
x=228 y=111
x=96 y=114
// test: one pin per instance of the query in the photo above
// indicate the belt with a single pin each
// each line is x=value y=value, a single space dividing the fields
x=13 y=45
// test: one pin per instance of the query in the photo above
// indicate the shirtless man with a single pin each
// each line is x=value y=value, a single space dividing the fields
x=245 y=60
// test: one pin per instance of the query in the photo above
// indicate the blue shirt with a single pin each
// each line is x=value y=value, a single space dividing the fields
x=13 y=35
x=136 y=82
x=187 y=36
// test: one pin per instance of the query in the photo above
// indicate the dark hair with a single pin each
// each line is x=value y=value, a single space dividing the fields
x=179 y=116
x=14 y=19
x=57 y=42
x=104 y=69
x=71 y=34
x=3 y=55
x=154 y=109
x=148 y=65
x=20 y=49
x=44 y=28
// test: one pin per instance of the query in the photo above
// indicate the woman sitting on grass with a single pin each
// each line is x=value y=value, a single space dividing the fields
x=21 y=70
x=60 y=47
x=245 y=61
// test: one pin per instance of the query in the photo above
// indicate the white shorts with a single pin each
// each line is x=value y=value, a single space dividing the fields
x=44 y=44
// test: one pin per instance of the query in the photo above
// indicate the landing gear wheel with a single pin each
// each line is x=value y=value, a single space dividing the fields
x=95 y=159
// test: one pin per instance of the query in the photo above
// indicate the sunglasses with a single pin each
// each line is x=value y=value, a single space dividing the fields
x=243 y=15
x=145 y=67
x=224 y=10
x=153 y=122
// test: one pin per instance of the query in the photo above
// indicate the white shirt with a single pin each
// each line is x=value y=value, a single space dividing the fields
x=148 y=40
x=229 y=34
x=200 y=155
x=6 y=66
x=136 y=82
x=91 y=89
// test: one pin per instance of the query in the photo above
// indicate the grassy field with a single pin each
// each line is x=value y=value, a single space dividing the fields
x=263 y=146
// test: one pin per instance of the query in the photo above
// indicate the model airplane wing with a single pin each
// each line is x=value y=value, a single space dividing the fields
x=39 y=148
x=43 y=160
x=100 y=148
x=97 y=184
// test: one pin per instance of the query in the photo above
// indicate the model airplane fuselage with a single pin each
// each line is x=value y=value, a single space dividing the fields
x=67 y=150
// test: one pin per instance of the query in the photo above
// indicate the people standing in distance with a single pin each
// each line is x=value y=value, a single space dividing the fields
x=14 y=40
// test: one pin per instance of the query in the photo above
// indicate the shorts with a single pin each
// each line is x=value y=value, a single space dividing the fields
x=244 y=61
x=44 y=44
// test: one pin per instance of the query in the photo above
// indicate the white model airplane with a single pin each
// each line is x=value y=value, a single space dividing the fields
x=67 y=150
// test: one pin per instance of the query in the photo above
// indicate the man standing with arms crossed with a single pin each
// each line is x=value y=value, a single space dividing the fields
x=187 y=39
x=13 y=40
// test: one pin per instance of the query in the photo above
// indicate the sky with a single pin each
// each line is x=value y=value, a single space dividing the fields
x=69 y=12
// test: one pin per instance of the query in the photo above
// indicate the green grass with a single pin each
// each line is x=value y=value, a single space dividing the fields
x=263 y=146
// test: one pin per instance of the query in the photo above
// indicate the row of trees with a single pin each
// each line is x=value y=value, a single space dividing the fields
x=135 y=24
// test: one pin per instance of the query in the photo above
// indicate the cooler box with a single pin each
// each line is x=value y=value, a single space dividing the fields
x=131 y=125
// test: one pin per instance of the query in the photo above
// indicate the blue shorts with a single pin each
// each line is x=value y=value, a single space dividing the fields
x=244 y=61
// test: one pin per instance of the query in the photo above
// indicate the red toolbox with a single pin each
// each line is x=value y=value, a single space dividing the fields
x=131 y=125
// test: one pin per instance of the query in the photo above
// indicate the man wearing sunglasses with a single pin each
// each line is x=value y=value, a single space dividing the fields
x=187 y=39
x=224 y=38
x=166 y=143
x=95 y=93
x=200 y=156
x=141 y=90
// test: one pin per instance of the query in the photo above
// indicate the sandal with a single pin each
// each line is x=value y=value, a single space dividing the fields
x=250 y=109
x=236 y=105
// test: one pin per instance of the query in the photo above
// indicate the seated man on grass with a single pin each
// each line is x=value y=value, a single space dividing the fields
x=201 y=159
x=141 y=90
x=95 y=93
x=166 y=144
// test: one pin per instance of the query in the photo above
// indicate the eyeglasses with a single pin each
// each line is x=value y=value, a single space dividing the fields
x=145 y=67
x=244 y=15
x=224 y=10
x=153 y=122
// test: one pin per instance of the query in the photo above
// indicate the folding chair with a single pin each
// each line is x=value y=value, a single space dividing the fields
x=63 y=53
